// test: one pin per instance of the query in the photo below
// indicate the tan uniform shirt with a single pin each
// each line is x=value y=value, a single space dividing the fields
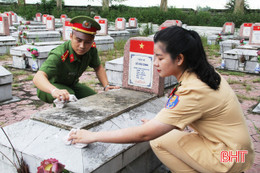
x=217 y=118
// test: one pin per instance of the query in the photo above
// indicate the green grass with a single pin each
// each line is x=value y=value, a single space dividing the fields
x=257 y=80
x=29 y=78
x=19 y=72
x=230 y=81
x=15 y=85
x=235 y=73
x=242 y=97
x=4 y=57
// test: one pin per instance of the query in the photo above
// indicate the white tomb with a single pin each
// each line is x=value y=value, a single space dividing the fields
x=120 y=23
x=67 y=29
x=104 y=27
x=245 y=30
x=38 y=17
x=6 y=79
x=50 y=23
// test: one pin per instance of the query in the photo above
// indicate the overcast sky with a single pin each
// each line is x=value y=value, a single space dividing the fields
x=215 y=4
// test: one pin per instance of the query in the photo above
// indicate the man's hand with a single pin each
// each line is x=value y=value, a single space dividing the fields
x=60 y=94
x=108 y=87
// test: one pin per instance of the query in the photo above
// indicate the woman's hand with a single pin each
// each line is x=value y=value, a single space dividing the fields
x=82 y=136
x=144 y=120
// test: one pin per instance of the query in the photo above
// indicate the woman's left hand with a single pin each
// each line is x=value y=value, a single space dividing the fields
x=111 y=88
x=82 y=136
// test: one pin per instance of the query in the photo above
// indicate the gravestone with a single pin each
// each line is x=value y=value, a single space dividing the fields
x=132 y=22
x=169 y=23
x=50 y=23
x=9 y=15
x=139 y=72
x=104 y=42
x=120 y=24
x=38 y=17
x=14 y=17
x=6 y=43
x=228 y=28
x=4 y=25
x=104 y=27
x=244 y=60
x=63 y=17
x=22 y=58
x=114 y=70
x=254 y=38
x=228 y=45
x=67 y=29
x=44 y=18
x=96 y=18
x=245 y=30
x=111 y=110
x=6 y=79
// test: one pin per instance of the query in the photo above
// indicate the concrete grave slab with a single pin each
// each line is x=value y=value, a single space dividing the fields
x=104 y=42
x=38 y=36
x=139 y=72
x=104 y=26
x=4 y=25
x=133 y=32
x=6 y=43
x=119 y=35
x=243 y=60
x=23 y=59
x=6 y=79
x=254 y=38
x=228 y=28
x=245 y=30
x=36 y=141
x=228 y=45
x=257 y=109
x=93 y=110
x=120 y=24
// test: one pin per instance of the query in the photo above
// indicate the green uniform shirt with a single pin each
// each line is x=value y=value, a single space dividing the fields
x=64 y=67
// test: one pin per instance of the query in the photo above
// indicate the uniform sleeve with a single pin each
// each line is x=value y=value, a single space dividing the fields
x=95 y=61
x=51 y=65
x=181 y=110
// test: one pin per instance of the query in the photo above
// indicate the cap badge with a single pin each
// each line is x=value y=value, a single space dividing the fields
x=86 y=24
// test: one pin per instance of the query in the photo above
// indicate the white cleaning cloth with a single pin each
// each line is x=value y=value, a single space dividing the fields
x=77 y=145
x=62 y=103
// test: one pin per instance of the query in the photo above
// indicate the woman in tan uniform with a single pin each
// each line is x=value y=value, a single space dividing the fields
x=203 y=100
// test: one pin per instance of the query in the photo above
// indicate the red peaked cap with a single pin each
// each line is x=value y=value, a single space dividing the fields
x=85 y=25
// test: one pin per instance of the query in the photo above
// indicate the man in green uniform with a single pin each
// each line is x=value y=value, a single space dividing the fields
x=59 y=75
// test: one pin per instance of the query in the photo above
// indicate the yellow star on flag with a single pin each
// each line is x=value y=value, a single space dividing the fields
x=141 y=46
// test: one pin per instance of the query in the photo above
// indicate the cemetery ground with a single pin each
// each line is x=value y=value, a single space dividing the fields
x=246 y=87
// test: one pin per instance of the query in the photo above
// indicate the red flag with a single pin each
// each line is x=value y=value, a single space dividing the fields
x=1 y=19
x=139 y=46
x=102 y=21
x=67 y=23
x=228 y=23
x=120 y=19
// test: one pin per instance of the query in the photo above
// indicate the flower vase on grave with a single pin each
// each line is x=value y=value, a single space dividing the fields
x=241 y=65
x=222 y=66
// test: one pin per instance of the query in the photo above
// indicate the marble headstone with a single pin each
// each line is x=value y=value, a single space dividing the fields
x=6 y=79
x=139 y=72
x=104 y=27
x=63 y=17
x=44 y=18
x=169 y=23
x=14 y=17
x=245 y=30
x=96 y=18
x=254 y=38
x=50 y=23
x=67 y=29
x=4 y=25
x=38 y=17
x=132 y=22
x=9 y=15
x=228 y=28
x=120 y=23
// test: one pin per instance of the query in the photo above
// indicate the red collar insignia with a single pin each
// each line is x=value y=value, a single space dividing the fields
x=64 y=56
x=94 y=45
x=71 y=57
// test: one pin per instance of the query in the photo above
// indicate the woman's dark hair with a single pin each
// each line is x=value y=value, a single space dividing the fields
x=181 y=41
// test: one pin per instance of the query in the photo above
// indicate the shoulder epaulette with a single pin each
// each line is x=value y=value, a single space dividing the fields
x=93 y=45
x=64 y=56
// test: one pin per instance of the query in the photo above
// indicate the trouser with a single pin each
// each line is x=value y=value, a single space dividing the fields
x=79 y=90
x=187 y=152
